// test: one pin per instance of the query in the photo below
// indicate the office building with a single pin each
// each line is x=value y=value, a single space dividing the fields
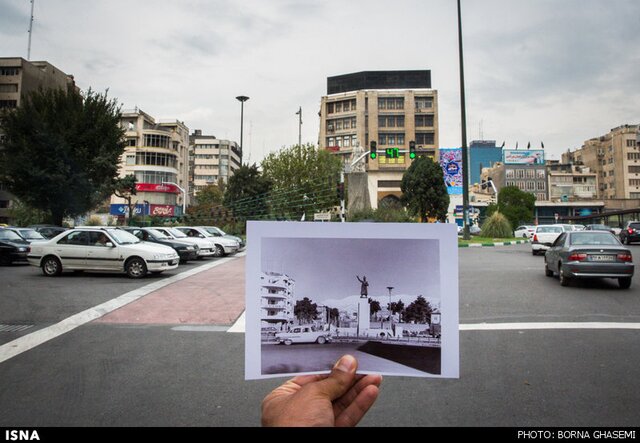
x=211 y=159
x=482 y=154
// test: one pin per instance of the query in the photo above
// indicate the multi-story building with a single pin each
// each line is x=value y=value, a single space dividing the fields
x=157 y=154
x=615 y=158
x=524 y=169
x=391 y=108
x=482 y=154
x=211 y=159
x=569 y=182
x=277 y=299
x=18 y=78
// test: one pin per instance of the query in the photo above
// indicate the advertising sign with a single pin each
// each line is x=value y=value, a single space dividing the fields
x=154 y=187
x=528 y=157
x=162 y=210
x=122 y=209
x=451 y=164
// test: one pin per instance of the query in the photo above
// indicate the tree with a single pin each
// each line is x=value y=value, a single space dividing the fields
x=305 y=311
x=247 y=192
x=418 y=311
x=396 y=307
x=423 y=190
x=374 y=306
x=210 y=195
x=516 y=205
x=303 y=178
x=61 y=151
x=125 y=187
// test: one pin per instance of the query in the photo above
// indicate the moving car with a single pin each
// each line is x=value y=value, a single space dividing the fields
x=217 y=232
x=589 y=254
x=630 y=233
x=185 y=250
x=28 y=234
x=13 y=248
x=223 y=246
x=206 y=248
x=303 y=334
x=101 y=249
x=524 y=231
x=544 y=237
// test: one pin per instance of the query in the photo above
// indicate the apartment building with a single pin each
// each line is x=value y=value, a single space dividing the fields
x=615 y=158
x=157 y=153
x=391 y=108
x=569 y=182
x=211 y=159
x=277 y=299
x=524 y=169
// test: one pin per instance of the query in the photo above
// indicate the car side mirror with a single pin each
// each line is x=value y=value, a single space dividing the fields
x=109 y=245
x=200 y=236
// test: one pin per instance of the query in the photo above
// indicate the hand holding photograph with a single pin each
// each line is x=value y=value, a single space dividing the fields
x=386 y=293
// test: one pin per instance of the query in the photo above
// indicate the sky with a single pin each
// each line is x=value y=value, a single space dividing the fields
x=552 y=71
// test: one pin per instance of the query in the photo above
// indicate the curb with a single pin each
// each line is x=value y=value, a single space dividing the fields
x=484 y=245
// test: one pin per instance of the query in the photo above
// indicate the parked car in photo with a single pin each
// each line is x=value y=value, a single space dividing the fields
x=48 y=231
x=217 y=232
x=206 y=248
x=13 y=248
x=28 y=234
x=544 y=237
x=186 y=251
x=630 y=233
x=524 y=231
x=223 y=246
x=589 y=254
x=101 y=249
x=304 y=334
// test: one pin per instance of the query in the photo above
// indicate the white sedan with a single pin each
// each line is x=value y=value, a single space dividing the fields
x=101 y=249
x=304 y=334
x=525 y=231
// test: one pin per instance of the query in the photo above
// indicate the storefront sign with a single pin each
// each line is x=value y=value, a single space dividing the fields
x=154 y=187
x=123 y=209
x=162 y=210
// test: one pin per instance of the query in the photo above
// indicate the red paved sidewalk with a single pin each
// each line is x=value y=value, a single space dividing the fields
x=212 y=297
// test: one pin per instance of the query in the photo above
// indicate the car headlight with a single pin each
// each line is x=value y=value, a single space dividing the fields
x=164 y=256
x=189 y=248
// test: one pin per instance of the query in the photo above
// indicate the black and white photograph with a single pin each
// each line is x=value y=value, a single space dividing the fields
x=318 y=293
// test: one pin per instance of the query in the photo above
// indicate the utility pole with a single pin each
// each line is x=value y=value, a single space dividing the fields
x=299 y=113
x=463 y=117
x=30 y=32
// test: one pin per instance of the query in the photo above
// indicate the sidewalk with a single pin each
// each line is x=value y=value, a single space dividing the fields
x=211 y=297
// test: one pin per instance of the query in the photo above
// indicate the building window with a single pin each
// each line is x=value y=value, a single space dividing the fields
x=540 y=173
x=391 y=121
x=346 y=141
x=510 y=183
x=631 y=143
x=531 y=185
x=510 y=173
x=8 y=104
x=10 y=87
x=9 y=71
x=634 y=182
x=540 y=186
x=634 y=195
x=633 y=155
x=391 y=139
x=330 y=108
x=424 y=121
x=423 y=103
x=155 y=177
x=331 y=141
x=612 y=173
x=131 y=160
x=541 y=196
x=156 y=141
x=530 y=173
x=391 y=103
x=521 y=185
x=425 y=138
x=634 y=169
x=131 y=142
x=519 y=173
x=354 y=140
x=156 y=159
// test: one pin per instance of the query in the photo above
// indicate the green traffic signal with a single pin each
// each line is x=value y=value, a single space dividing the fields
x=373 y=155
x=412 y=155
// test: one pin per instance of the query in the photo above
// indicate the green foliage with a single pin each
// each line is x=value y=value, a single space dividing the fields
x=423 y=190
x=24 y=215
x=383 y=215
x=496 y=226
x=62 y=151
x=125 y=187
x=211 y=195
x=247 y=192
x=303 y=179
x=94 y=221
x=305 y=311
x=516 y=205
x=419 y=311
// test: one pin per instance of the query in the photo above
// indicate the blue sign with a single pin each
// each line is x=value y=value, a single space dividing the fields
x=122 y=209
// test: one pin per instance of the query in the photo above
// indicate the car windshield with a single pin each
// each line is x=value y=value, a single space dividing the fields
x=123 y=237
x=593 y=238
x=5 y=234
x=31 y=234
x=599 y=227
x=157 y=234
x=213 y=230
x=553 y=229
x=176 y=233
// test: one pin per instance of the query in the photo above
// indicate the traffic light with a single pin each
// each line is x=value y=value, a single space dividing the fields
x=340 y=191
x=412 y=150
x=373 y=151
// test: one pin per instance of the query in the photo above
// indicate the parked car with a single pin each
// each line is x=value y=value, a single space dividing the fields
x=473 y=230
x=630 y=233
x=598 y=227
x=578 y=227
x=524 y=231
x=48 y=231
x=589 y=254
x=217 y=232
x=206 y=248
x=185 y=250
x=13 y=248
x=544 y=237
x=28 y=234
x=223 y=246
x=303 y=334
x=101 y=249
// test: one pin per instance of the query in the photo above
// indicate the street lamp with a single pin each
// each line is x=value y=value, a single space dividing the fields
x=463 y=117
x=241 y=99
x=299 y=114
x=184 y=196
x=390 y=312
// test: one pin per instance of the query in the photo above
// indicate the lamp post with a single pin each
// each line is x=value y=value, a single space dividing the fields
x=299 y=114
x=241 y=99
x=390 y=288
x=463 y=117
x=184 y=196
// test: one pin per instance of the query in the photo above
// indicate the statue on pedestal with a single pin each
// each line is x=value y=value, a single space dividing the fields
x=357 y=152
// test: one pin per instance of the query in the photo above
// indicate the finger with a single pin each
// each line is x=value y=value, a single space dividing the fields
x=363 y=381
x=356 y=410
x=293 y=385
x=341 y=379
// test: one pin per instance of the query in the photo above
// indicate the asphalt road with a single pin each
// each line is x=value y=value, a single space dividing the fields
x=104 y=374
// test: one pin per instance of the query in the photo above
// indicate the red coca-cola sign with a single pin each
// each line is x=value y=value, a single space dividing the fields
x=154 y=187
x=162 y=210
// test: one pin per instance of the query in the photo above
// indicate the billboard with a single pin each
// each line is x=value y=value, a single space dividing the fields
x=451 y=164
x=528 y=157
x=122 y=209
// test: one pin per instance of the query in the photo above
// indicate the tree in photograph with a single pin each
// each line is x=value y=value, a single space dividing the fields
x=423 y=190
x=516 y=205
x=418 y=311
x=125 y=187
x=247 y=193
x=305 y=311
x=374 y=306
x=396 y=307
x=304 y=180
x=61 y=151
x=334 y=315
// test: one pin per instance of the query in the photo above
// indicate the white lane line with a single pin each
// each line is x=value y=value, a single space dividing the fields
x=36 y=338
x=238 y=326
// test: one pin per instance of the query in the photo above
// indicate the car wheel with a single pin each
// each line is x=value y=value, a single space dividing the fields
x=627 y=241
x=51 y=266
x=321 y=340
x=287 y=342
x=548 y=272
x=219 y=252
x=624 y=282
x=135 y=268
x=534 y=252
x=524 y=235
x=564 y=280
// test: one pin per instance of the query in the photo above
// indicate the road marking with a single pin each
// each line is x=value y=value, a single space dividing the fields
x=36 y=338
x=542 y=325
x=238 y=326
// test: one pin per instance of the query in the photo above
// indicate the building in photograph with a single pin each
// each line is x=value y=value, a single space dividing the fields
x=482 y=154
x=18 y=78
x=391 y=108
x=211 y=159
x=615 y=158
x=157 y=154
x=277 y=299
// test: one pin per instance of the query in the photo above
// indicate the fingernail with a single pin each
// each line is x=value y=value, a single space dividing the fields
x=346 y=363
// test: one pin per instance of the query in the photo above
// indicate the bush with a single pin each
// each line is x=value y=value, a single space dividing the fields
x=496 y=226
x=383 y=214
x=94 y=220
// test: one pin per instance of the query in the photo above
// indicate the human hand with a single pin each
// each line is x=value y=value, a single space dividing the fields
x=339 y=399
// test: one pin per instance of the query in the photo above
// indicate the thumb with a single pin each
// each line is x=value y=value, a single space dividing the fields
x=341 y=378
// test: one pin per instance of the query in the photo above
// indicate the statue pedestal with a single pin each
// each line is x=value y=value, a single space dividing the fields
x=359 y=199
x=363 y=316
